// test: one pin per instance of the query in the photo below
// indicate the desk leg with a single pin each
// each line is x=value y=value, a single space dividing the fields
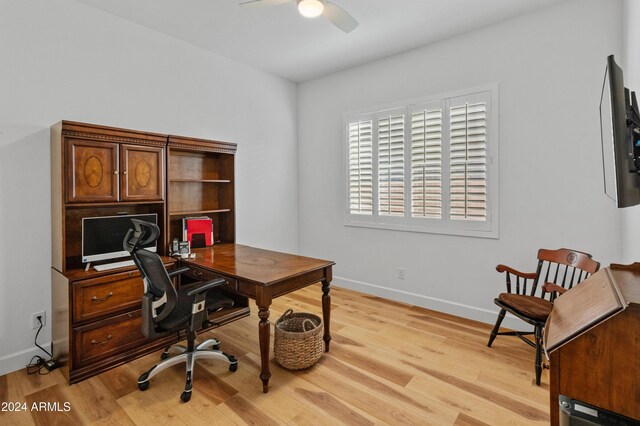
x=326 y=311
x=264 y=333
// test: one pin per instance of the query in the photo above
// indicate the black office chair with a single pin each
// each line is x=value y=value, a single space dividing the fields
x=165 y=310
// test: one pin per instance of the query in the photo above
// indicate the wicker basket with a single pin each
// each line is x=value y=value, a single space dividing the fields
x=298 y=340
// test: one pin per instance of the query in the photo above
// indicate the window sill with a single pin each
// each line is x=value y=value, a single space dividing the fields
x=492 y=234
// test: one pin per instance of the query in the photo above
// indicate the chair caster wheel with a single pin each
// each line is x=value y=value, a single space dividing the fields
x=233 y=366
x=216 y=347
x=143 y=382
x=185 y=397
x=164 y=356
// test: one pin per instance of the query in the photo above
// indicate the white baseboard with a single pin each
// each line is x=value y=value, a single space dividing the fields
x=440 y=305
x=19 y=360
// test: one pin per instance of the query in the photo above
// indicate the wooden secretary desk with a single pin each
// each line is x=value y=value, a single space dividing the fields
x=593 y=337
x=105 y=171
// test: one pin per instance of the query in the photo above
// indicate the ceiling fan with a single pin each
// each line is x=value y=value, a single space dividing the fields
x=313 y=8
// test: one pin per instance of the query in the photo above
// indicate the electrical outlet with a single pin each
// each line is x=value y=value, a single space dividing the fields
x=401 y=273
x=34 y=319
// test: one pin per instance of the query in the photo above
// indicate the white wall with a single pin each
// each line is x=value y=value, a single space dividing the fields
x=630 y=63
x=64 y=60
x=549 y=66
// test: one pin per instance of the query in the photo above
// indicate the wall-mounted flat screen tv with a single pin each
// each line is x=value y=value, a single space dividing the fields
x=620 y=135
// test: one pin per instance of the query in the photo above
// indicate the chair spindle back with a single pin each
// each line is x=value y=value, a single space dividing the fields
x=563 y=267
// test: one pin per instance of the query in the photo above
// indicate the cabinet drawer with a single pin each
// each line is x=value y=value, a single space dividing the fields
x=107 y=338
x=107 y=295
x=205 y=275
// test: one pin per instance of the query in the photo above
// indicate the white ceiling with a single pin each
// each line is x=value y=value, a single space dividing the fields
x=279 y=40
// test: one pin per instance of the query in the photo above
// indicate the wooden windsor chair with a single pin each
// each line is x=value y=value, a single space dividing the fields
x=558 y=270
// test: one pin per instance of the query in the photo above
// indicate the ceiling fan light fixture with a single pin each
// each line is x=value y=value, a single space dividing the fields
x=310 y=8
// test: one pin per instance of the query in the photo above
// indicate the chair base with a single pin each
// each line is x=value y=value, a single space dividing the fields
x=537 y=344
x=205 y=350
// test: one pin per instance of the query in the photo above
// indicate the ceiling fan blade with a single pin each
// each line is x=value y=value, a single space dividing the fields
x=339 y=17
x=254 y=3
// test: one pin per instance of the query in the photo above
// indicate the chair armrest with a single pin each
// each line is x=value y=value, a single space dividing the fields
x=526 y=275
x=206 y=286
x=177 y=271
x=551 y=287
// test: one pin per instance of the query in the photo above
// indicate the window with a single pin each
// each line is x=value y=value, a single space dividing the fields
x=427 y=166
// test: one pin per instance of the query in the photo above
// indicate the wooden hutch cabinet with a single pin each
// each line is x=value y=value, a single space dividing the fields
x=105 y=171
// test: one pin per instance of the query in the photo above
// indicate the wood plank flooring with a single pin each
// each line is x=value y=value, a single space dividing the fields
x=389 y=363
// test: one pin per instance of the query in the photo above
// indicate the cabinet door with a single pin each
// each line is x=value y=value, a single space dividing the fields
x=142 y=173
x=92 y=171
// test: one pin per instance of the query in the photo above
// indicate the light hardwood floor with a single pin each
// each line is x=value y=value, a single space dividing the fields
x=389 y=363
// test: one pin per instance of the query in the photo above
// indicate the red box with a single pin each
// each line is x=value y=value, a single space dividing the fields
x=198 y=225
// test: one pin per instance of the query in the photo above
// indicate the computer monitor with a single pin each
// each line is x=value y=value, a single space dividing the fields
x=102 y=236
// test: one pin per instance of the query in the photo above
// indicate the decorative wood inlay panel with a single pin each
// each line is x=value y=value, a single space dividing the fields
x=143 y=173
x=93 y=171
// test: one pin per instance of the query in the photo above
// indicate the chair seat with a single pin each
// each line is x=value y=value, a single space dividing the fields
x=533 y=307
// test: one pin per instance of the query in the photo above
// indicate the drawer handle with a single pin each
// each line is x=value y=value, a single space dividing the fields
x=95 y=299
x=95 y=342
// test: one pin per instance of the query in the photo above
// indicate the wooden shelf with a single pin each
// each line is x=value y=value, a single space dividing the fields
x=191 y=212
x=201 y=180
x=200 y=183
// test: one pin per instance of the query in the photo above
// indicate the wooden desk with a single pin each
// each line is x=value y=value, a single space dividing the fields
x=263 y=275
x=592 y=336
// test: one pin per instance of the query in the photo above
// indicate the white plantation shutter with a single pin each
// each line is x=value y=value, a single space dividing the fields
x=391 y=165
x=426 y=162
x=361 y=167
x=427 y=166
x=468 y=160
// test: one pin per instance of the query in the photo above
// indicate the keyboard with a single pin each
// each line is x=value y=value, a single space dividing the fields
x=114 y=265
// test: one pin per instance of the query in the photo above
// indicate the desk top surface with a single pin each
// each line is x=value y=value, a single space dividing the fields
x=78 y=274
x=254 y=264
x=599 y=297
x=584 y=306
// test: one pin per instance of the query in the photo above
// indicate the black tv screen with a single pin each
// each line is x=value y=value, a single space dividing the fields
x=618 y=158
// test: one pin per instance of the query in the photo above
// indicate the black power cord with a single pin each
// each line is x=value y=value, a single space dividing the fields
x=37 y=363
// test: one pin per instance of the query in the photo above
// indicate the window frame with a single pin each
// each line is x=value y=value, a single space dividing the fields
x=444 y=225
